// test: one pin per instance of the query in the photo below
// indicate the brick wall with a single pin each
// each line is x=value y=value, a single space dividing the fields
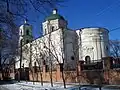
x=106 y=75
x=111 y=75
x=81 y=76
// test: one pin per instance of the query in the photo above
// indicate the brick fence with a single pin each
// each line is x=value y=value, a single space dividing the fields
x=106 y=75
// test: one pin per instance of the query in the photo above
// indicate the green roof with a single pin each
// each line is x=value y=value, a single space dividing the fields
x=54 y=16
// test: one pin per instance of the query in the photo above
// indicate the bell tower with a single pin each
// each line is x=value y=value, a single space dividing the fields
x=25 y=33
x=53 y=22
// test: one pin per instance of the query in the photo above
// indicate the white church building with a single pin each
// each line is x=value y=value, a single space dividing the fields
x=59 y=44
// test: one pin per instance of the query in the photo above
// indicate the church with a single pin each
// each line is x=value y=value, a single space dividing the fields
x=61 y=45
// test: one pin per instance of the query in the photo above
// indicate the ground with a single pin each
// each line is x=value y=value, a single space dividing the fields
x=47 y=86
x=31 y=86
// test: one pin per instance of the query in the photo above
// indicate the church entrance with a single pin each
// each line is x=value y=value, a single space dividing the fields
x=87 y=59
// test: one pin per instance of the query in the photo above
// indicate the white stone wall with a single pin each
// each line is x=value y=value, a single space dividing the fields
x=40 y=49
x=59 y=51
x=47 y=25
x=95 y=43
x=65 y=44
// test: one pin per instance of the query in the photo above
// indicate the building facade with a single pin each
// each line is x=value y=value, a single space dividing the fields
x=61 y=45
x=94 y=44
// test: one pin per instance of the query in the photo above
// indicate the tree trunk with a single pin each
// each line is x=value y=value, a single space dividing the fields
x=19 y=75
x=63 y=78
x=51 y=76
x=41 y=77
x=32 y=75
x=2 y=73
x=100 y=88
x=33 y=78
x=78 y=74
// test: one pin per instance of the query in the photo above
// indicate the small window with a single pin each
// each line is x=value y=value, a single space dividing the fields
x=52 y=28
x=87 y=59
x=27 y=41
x=45 y=31
x=21 y=31
x=107 y=48
x=44 y=46
x=27 y=32
x=72 y=58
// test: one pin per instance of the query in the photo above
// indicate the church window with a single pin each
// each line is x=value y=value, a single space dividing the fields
x=44 y=46
x=107 y=48
x=45 y=31
x=27 y=32
x=87 y=59
x=52 y=28
x=21 y=31
x=72 y=58
x=27 y=41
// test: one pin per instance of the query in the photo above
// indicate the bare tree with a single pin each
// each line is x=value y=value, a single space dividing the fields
x=48 y=58
x=48 y=50
x=56 y=51
x=115 y=48
x=39 y=57
x=7 y=50
x=12 y=11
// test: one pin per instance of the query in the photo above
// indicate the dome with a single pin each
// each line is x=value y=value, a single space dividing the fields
x=54 y=16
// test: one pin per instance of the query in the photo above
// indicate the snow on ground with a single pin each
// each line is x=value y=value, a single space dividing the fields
x=57 y=86
x=36 y=86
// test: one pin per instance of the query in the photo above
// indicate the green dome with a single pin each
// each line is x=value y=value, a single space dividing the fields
x=54 y=16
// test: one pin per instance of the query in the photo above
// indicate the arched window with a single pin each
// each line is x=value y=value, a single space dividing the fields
x=27 y=32
x=87 y=59
x=52 y=28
